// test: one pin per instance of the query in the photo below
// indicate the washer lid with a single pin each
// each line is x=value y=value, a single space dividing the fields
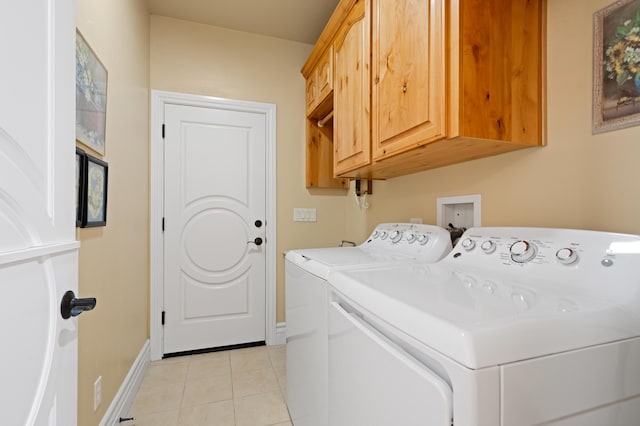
x=321 y=261
x=480 y=320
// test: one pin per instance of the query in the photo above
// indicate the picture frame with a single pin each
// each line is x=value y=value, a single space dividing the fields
x=91 y=97
x=616 y=66
x=80 y=184
x=95 y=193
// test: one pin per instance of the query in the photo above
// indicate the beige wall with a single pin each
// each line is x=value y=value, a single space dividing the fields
x=193 y=58
x=579 y=180
x=114 y=260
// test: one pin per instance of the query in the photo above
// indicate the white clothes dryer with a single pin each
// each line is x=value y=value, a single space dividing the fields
x=306 y=273
x=516 y=326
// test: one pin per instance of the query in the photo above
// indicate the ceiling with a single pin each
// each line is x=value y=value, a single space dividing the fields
x=296 y=20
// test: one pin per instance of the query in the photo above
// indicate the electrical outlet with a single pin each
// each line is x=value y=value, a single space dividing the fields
x=97 y=393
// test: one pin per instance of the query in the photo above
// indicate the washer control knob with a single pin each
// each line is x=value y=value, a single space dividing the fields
x=468 y=244
x=566 y=256
x=522 y=251
x=376 y=234
x=411 y=238
x=395 y=236
x=423 y=239
x=384 y=235
x=488 y=246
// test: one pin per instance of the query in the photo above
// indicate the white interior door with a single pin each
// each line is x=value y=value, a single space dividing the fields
x=38 y=252
x=214 y=268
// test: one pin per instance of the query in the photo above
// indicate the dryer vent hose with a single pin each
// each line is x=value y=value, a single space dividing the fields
x=455 y=233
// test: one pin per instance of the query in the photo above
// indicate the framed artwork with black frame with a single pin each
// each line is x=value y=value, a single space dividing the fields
x=95 y=195
x=80 y=184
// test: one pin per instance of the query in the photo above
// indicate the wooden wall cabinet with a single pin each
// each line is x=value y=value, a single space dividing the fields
x=449 y=81
x=319 y=147
x=318 y=72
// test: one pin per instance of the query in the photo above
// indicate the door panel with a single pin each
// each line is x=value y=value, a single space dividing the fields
x=374 y=382
x=214 y=274
x=38 y=252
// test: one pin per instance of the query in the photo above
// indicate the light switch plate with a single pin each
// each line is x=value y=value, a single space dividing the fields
x=304 y=215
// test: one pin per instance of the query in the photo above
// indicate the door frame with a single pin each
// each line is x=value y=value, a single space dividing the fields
x=156 y=262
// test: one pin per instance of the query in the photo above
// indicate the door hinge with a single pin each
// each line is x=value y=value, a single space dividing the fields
x=163 y=131
x=162 y=317
x=163 y=224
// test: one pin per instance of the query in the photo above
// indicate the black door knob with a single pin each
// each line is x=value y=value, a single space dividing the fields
x=72 y=307
x=257 y=241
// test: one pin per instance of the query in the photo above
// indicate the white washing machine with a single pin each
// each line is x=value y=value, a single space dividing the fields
x=516 y=326
x=307 y=299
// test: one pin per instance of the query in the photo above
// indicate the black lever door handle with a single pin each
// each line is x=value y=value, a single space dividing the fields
x=72 y=307
x=257 y=241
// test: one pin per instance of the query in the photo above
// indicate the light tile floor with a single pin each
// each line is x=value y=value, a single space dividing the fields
x=241 y=387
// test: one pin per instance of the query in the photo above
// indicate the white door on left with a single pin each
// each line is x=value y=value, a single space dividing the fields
x=38 y=251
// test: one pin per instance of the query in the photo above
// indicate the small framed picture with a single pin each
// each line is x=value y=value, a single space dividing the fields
x=80 y=184
x=95 y=201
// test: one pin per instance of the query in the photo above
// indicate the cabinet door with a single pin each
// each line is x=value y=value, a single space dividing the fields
x=311 y=95
x=320 y=86
x=408 y=93
x=351 y=131
x=324 y=75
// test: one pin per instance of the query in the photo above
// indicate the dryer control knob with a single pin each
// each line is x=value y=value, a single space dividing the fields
x=488 y=246
x=395 y=236
x=522 y=251
x=384 y=235
x=423 y=239
x=566 y=256
x=411 y=238
x=468 y=244
x=376 y=234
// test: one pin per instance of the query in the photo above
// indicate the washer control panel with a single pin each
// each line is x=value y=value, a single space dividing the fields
x=554 y=270
x=521 y=250
x=533 y=248
x=411 y=239
x=420 y=235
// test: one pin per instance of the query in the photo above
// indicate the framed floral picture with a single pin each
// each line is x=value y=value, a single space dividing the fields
x=91 y=97
x=81 y=162
x=95 y=193
x=616 y=66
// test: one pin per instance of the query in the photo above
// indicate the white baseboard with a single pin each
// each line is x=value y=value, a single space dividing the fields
x=123 y=400
x=281 y=333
